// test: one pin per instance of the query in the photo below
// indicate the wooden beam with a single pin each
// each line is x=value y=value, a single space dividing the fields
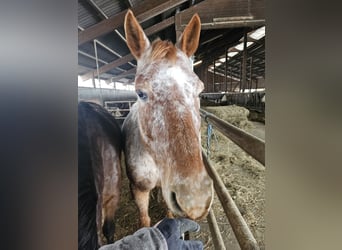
x=233 y=24
x=216 y=48
x=109 y=66
x=143 y=12
x=218 y=14
x=160 y=26
x=101 y=28
x=130 y=72
x=244 y=62
x=125 y=59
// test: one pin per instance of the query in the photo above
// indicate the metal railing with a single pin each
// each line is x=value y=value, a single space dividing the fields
x=114 y=107
x=254 y=147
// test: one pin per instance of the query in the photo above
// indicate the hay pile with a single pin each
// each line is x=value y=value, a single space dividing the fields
x=233 y=114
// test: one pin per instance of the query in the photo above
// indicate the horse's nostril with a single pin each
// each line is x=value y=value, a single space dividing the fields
x=175 y=203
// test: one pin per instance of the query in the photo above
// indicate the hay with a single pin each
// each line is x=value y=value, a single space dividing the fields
x=236 y=115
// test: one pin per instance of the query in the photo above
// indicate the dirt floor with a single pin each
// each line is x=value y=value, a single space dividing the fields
x=243 y=176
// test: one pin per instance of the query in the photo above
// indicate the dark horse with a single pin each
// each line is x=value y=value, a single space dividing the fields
x=99 y=175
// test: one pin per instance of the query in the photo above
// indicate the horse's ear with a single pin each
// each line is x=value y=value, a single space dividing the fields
x=188 y=41
x=137 y=41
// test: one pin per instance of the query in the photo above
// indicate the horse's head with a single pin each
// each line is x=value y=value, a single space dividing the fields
x=168 y=114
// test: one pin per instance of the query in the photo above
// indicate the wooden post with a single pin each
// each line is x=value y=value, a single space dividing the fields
x=240 y=87
x=231 y=79
x=244 y=62
x=225 y=70
x=250 y=74
x=256 y=84
x=94 y=81
x=214 y=77
x=205 y=66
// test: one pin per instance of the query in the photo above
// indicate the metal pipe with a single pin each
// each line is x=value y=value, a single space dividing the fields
x=248 y=142
x=90 y=56
x=240 y=228
x=215 y=231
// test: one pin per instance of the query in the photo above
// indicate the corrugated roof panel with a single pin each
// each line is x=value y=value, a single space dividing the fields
x=111 y=7
x=113 y=41
x=87 y=61
x=86 y=17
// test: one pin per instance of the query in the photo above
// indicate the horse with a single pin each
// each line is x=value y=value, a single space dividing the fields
x=162 y=131
x=100 y=145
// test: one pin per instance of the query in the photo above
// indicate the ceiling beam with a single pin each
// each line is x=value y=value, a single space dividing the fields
x=215 y=49
x=125 y=59
x=218 y=14
x=143 y=12
x=104 y=16
x=130 y=72
x=255 y=50
x=109 y=66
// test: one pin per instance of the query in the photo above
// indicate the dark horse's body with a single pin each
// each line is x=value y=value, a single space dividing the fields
x=99 y=174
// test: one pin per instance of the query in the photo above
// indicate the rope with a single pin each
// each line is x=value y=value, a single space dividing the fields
x=209 y=134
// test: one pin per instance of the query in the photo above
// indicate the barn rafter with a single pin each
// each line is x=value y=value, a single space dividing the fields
x=224 y=22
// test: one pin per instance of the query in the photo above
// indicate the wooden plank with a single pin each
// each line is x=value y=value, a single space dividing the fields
x=160 y=26
x=143 y=12
x=101 y=28
x=252 y=145
x=233 y=24
x=125 y=59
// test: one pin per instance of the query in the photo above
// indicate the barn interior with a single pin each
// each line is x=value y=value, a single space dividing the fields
x=230 y=58
x=230 y=61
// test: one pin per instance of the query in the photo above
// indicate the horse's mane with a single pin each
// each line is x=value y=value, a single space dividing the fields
x=163 y=50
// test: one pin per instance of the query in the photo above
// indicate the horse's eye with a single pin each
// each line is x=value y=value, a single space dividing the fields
x=142 y=95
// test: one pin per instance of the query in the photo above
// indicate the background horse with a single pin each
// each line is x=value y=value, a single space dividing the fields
x=162 y=131
x=99 y=174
